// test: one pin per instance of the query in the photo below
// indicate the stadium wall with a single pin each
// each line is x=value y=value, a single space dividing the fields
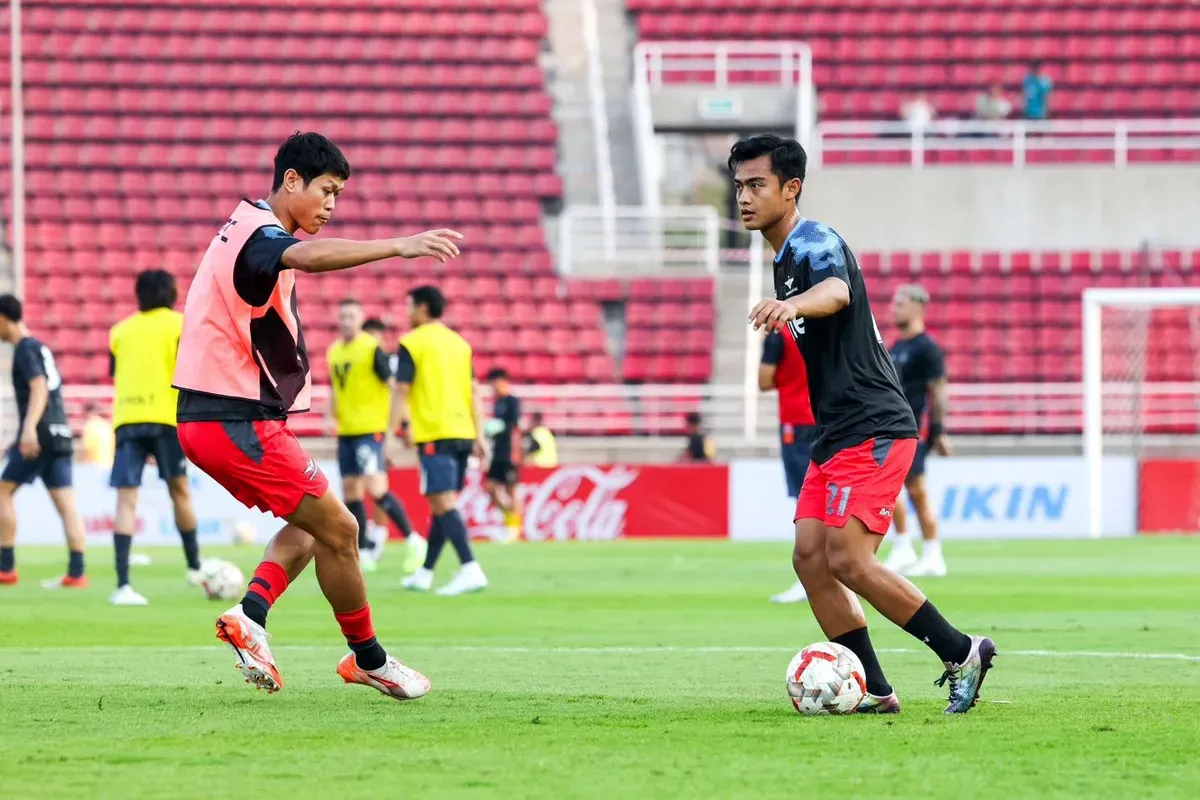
x=976 y=498
x=1001 y=208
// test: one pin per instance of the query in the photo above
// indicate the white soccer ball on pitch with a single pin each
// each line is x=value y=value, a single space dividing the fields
x=221 y=580
x=826 y=679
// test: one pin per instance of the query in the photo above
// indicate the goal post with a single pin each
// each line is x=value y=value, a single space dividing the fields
x=1141 y=380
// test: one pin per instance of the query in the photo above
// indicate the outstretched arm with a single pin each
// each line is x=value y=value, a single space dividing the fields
x=825 y=299
x=327 y=255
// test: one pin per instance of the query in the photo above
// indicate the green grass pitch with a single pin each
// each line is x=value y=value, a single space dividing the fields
x=610 y=670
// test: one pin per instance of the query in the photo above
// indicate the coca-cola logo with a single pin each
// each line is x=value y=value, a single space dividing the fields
x=576 y=502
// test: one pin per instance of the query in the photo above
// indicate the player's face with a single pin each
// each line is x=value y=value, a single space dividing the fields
x=500 y=386
x=903 y=309
x=350 y=319
x=311 y=206
x=7 y=327
x=761 y=199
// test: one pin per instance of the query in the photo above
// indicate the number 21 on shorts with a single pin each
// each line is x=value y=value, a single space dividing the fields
x=839 y=497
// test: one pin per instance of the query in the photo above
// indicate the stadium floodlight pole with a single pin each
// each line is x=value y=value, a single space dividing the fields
x=754 y=290
x=17 y=143
x=1094 y=301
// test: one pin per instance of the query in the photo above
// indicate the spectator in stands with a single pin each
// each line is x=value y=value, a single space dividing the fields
x=540 y=445
x=699 y=448
x=98 y=438
x=1037 y=86
x=992 y=105
x=918 y=112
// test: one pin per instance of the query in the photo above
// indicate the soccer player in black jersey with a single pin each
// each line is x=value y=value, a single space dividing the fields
x=922 y=371
x=866 y=434
x=43 y=448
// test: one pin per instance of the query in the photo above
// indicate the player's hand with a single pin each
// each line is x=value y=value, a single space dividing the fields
x=480 y=449
x=29 y=446
x=389 y=445
x=439 y=244
x=941 y=446
x=772 y=315
x=406 y=436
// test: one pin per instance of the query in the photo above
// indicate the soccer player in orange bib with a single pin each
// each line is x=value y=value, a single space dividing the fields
x=243 y=367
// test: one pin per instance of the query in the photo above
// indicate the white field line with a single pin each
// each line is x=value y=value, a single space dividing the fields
x=600 y=651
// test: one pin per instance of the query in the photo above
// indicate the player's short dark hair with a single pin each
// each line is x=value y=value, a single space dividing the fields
x=788 y=159
x=155 y=288
x=10 y=307
x=311 y=155
x=536 y=418
x=431 y=297
x=693 y=418
x=349 y=301
x=497 y=373
x=374 y=325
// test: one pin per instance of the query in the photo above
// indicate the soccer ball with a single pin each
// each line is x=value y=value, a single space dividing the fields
x=221 y=580
x=243 y=533
x=825 y=679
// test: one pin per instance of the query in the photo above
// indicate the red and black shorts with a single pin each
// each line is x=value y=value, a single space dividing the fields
x=259 y=462
x=862 y=481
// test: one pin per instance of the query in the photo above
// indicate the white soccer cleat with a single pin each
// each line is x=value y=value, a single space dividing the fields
x=366 y=561
x=470 y=578
x=126 y=596
x=393 y=678
x=248 y=641
x=195 y=577
x=902 y=557
x=930 y=565
x=415 y=548
x=794 y=594
x=419 y=581
x=379 y=536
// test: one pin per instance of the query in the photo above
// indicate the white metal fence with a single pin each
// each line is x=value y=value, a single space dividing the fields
x=1048 y=409
x=631 y=236
x=1016 y=140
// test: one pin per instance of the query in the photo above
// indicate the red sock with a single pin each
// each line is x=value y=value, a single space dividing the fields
x=356 y=625
x=268 y=583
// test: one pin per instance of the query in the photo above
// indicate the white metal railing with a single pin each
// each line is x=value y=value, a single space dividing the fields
x=603 y=152
x=1017 y=138
x=723 y=66
x=679 y=236
x=1045 y=409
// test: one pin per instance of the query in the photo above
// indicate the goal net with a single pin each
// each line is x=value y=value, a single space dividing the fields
x=1141 y=391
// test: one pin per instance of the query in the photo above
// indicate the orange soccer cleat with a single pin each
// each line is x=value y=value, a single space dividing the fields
x=393 y=678
x=66 y=582
x=8 y=578
x=248 y=641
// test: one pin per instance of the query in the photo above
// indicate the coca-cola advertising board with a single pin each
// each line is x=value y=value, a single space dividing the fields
x=594 y=502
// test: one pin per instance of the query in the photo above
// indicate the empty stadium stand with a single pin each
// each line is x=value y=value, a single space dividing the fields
x=1108 y=58
x=146 y=121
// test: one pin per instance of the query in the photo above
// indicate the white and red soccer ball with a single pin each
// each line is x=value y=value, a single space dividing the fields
x=221 y=580
x=826 y=679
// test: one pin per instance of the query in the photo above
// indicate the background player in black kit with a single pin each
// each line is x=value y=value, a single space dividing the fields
x=504 y=432
x=43 y=448
x=866 y=434
x=922 y=371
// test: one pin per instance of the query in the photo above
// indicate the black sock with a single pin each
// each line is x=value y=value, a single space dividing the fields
x=121 y=544
x=951 y=645
x=8 y=559
x=359 y=510
x=369 y=654
x=191 y=548
x=437 y=540
x=75 y=564
x=456 y=532
x=396 y=513
x=254 y=607
x=859 y=642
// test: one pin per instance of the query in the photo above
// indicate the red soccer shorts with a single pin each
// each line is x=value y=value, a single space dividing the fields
x=861 y=481
x=261 y=463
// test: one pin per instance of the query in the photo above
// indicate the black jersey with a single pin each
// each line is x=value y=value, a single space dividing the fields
x=919 y=362
x=32 y=359
x=506 y=416
x=852 y=383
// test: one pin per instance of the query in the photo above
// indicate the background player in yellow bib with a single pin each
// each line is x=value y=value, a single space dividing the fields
x=436 y=393
x=142 y=350
x=360 y=374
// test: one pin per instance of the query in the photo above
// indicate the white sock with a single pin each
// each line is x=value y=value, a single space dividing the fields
x=932 y=549
x=412 y=537
x=900 y=540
